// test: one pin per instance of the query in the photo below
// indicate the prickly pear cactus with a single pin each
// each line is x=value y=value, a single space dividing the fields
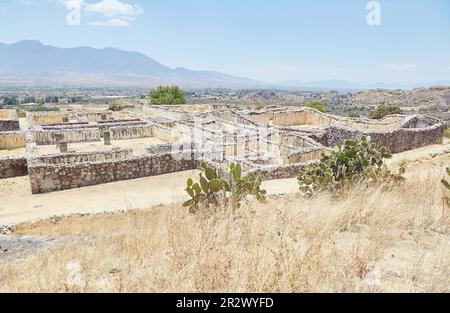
x=212 y=190
x=355 y=161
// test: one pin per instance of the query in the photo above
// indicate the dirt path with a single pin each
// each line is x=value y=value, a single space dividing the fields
x=19 y=205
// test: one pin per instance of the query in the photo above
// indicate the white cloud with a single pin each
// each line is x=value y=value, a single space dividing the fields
x=113 y=8
x=113 y=22
x=447 y=67
x=117 y=13
x=399 y=67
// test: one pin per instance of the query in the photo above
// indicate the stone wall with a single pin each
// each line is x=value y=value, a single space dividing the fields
x=120 y=133
x=166 y=134
x=68 y=158
x=395 y=141
x=13 y=167
x=91 y=116
x=47 y=178
x=71 y=136
x=9 y=125
x=279 y=171
x=12 y=140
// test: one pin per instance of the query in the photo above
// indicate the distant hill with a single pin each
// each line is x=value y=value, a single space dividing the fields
x=348 y=85
x=33 y=61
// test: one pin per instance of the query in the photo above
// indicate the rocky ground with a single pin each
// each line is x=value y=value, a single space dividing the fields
x=16 y=248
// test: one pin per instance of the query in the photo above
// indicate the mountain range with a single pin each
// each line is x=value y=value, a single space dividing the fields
x=30 y=62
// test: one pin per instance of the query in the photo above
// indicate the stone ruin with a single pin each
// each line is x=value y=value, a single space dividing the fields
x=64 y=150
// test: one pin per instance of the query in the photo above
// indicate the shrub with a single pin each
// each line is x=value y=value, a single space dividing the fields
x=447 y=132
x=21 y=114
x=167 y=95
x=115 y=107
x=383 y=111
x=355 y=161
x=354 y=115
x=317 y=105
x=39 y=108
x=214 y=190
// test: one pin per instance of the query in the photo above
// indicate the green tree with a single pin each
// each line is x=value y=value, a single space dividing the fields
x=10 y=101
x=320 y=106
x=383 y=111
x=29 y=99
x=167 y=95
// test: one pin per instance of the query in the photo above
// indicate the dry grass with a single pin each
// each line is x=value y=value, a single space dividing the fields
x=366 y=240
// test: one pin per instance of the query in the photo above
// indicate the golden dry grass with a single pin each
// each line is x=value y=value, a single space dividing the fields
x=365 y=240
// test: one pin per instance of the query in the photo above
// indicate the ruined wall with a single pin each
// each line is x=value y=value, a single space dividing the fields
x=47 y=178
x=12 y=140
x=91 y=117
x=304 y=155
x=13 y=167
x=71 y=136
x=166 y=134
x=395 y=141
x=9 y=125
x=68 y=158
x=279 y=171
x=120 y=133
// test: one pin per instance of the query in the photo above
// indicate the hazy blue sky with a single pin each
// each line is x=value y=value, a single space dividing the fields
x=262 y=39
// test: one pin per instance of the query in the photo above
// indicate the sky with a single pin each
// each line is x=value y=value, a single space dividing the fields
x=392 y=41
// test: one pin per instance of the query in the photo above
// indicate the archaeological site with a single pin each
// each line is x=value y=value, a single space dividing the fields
x=73 y=149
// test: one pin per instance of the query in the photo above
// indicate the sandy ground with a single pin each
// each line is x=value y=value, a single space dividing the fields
x=19 y=205
x=138 y=146
x=13 y=153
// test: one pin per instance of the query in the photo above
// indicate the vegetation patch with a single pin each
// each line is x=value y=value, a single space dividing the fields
x=38 y=108
x=115 y=107
x=168 y=95
x=355 y=162
x=317 y=105
x=354 y=115
x=384 y=110
x=216 y=189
